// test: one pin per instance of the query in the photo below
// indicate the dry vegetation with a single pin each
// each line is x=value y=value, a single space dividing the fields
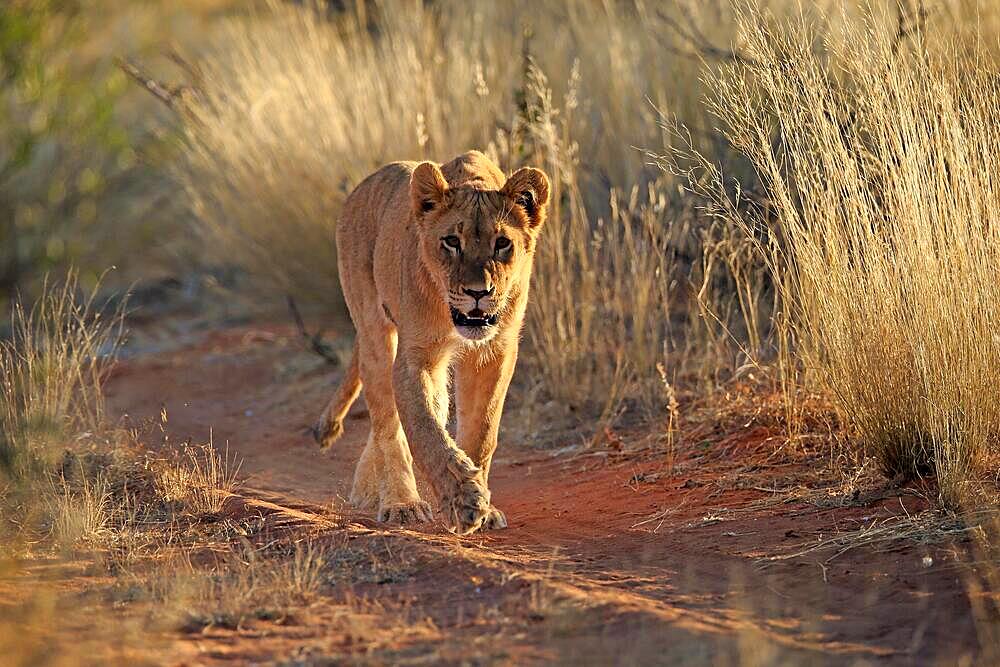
x=879 y=231
x=76 y=485
x=799 y=200
x=200 y=477
x=51 y=372
x=851 y=250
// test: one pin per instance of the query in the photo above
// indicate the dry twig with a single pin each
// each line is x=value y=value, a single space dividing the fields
x=173 y=96
x=314 y=342
x=701 y=46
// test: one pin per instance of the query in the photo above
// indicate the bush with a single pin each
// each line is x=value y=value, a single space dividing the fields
x=62 y=148
x=879 y=169
x=51 y=373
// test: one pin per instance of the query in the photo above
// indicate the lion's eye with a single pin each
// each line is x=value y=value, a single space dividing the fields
x=502 y=243
x=452 y=242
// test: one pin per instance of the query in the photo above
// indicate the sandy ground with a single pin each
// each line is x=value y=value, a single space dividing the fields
x=612 y=555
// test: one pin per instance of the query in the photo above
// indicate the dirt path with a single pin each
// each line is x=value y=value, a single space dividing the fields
x=595 y=580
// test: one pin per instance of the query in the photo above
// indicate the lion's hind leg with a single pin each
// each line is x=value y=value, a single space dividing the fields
x=330 y=426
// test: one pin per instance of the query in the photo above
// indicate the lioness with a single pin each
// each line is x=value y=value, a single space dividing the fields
x=434 y=263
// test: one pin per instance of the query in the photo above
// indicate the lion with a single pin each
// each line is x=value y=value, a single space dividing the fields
x=435 y=263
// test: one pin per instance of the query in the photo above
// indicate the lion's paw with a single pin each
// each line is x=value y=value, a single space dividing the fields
x=495 y=520
x=404 y=514
x=327 y=431
x=466 y=499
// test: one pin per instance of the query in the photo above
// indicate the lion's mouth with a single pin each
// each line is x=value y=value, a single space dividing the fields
x=475 y=318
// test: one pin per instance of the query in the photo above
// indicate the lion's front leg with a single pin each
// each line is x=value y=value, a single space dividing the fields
x=458 y=483
x=481 y=383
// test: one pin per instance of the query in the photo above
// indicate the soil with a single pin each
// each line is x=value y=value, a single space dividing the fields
x=620 y=552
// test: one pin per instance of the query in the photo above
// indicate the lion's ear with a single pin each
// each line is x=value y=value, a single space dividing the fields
x=529 y=188
x=427 y=189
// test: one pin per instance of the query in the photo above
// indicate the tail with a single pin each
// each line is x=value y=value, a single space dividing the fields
x=331 y=423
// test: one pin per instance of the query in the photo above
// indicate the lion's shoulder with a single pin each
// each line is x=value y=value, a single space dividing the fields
x=380 y=197
x=386 y=180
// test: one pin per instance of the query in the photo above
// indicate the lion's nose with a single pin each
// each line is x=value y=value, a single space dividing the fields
x=478 y=294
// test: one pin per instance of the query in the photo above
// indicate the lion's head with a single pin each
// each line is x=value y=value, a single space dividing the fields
x=478 y=243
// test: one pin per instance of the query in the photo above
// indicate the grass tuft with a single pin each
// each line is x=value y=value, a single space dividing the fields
x=51 y=372
x=878 y=175
x=81 y=516
x=200 y=478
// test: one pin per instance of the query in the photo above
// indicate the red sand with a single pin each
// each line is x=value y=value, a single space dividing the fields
x=686 y=587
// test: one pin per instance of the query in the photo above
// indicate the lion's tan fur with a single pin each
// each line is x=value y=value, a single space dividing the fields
x=400 y=284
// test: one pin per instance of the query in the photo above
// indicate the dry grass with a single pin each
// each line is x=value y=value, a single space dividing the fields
x=932 y=526
x=880 y=178
x=200 y=477
x=592 y=342
x=242 y=585
x=300 y=576
x=50 y=374
x=81 y=516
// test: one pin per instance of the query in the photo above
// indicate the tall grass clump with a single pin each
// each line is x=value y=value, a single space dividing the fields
x=881 y=230
x=600 y=288
x=51 y=372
